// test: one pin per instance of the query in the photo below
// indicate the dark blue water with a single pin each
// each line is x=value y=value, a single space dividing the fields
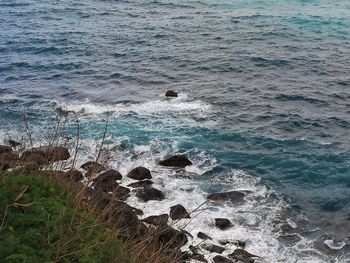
x=264 y=89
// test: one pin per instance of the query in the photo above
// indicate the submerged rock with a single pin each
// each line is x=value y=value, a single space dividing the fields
x=233 y=196
x=74 y=175
x=178 y=212
x=140 y=173
x=144 y=183
x=221 y=259
x=171 y=93
x=222 y=223
x=149 y=193
x=157 y=220
x=203 y=236
x=243 y=256
x=176 y=161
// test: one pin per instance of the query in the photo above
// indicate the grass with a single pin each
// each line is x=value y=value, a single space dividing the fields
x=41 y=221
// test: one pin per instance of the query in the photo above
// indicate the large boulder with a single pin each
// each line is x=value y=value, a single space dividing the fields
x=92 y=168
x=74 y=175
x=9 y=159
x=5 y=149
x=221 y=259
x=44 y=154
x=198 y=257
x=107 y=181
x=243 y=256
x=233 y=196
x=222 y=223
x=178 y=212
x=121 y=192
x=168 y=236
x=149 y=193
x=203 y=236
x=171 y=93
x=159 y=220
x=176 y=161
x=143 y=183
x=140 y=173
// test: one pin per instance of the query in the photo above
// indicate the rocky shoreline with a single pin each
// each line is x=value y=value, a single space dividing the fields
x=103 y=187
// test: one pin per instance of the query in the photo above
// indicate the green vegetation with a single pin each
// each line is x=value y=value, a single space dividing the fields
x=40 y=221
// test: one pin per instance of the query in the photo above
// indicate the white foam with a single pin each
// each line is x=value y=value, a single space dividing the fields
x=334 y=245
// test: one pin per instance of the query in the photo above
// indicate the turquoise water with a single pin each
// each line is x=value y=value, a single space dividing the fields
x=264 y=96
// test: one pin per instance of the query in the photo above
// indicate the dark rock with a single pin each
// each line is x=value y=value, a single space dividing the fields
x=30 y=166
x=45 y=154
x=178 y=212
x=221 y=259
x=171 y=93
x=4 y=166
x=199 y=257
x=73 y=175
x=194 y=249
x=149 y=193
x=222 y=223
x=33 y=157
x=13 y=143
x=10 y=159
x=176 y=161
x=233 y=196
x=140 y=173
x=213 y=248
x=203 y=236
x=5 y=149
x=121 y=192
x=243 y=256
x=168 y=236
x=107 y=181
x=157 y=220
x=237 y=243
x=144 y=183
x=93 y=168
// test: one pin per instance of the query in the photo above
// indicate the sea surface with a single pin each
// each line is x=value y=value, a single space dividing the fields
x=264 y=106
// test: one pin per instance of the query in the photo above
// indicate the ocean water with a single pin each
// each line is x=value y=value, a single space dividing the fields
x=264 y=106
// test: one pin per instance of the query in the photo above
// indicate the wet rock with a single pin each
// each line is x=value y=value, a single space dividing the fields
x=213 y=248
x=222 y=223
x=171 y=237
x=233 y=196
x=157 y=220
x=203 y=236
x=144 y=183
x=33 y=157
x=45 y=154
x=121 y=192
x=199 y=257
x=107 y=181
x=93 y=168
x=243 y=256
x=140 y=173
x=178 y=212
x=5 y=149
x=171 y=93
x=221 y=259
x=176 y=161
x=14 y=143
x=149 y=193
x=10 y=159
x=237 y=243
x=74 y=175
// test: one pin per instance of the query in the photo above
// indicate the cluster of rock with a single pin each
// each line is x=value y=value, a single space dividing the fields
x=106 y=192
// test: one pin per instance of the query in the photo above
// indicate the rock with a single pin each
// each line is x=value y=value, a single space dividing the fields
x=5 y=149
x=144 y=183
x=221 y=259
x=140 y=173
x=93 y=168
x=243 y=256
x=171 y=93
x=222 y=223
x=237 y=243
x=121 y=192
x=157 y=220
x=176 y=161
x=149 y=193
x=178 y=212
x=45 y=154
x=199 y=257
x=10 y=159
x=168 y=236
x=233 y=196
x=203 y=236
x=74 y=175
x=106 y=181
x=213 y=248
x=13 y=143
